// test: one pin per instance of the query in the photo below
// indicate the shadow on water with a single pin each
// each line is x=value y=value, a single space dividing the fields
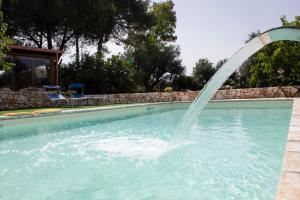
x=56 y=123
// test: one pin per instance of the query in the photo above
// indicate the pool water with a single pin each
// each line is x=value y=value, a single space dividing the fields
x=230 y=153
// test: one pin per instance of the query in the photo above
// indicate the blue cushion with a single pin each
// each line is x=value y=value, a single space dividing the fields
x=76 y=86
x=53 y=96
x=78 y=95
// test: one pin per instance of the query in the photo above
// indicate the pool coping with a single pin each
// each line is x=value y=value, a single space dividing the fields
x=83 y=110
x=289 y=183
x=100 y=108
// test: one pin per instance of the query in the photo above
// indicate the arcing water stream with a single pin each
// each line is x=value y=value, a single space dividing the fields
x=277 y=34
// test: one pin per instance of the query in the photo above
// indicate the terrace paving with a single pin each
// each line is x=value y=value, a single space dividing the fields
x=289 y=184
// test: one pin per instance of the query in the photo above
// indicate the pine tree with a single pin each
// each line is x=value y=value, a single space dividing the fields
x=5 y=42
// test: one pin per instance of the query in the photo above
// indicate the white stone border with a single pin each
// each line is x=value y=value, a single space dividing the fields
x=289 y=183
x=107 y=107
x=83 y=110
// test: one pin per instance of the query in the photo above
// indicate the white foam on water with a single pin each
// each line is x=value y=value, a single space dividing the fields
x=92 y=147
x=131 y=147
x=40 y=161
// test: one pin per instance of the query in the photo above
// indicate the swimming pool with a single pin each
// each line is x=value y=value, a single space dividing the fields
x=233 y=151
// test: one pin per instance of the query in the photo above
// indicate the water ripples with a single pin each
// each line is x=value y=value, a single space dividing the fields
x=134 y=159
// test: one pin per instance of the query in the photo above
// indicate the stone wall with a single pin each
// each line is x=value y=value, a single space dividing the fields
x=252 y=93
x=25 y=98
x=33 y=97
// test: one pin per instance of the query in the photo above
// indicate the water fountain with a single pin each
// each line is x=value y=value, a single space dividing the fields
x=276 y=34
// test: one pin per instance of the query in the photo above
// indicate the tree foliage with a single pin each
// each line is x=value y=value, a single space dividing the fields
x=203 y=71
x=53 y=24
x=184 y=82
x=267 y=63
x=152 y=61
x=112 y=75
x=151 y=57
x=152 y=51
x=165 y=21
x=234 y=79
x=5 y=42
x=285 y=22
x=263 y=67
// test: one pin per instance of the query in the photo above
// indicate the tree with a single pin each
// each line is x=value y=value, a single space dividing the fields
x=164 y=28
x=203 y=71
x=37 y=22
x=53 y=24
x=148 y=34
x=244 y=71
x=264 y=66
x=284 y=21
x=119 y=75
x=153 y=53
x=90 y=71
x=152 y=60
x=5 y=42
x=234 y=79
x=131 y=16
x=279 y=55
x=252 y=35
x=114 y=75
x=184 y=83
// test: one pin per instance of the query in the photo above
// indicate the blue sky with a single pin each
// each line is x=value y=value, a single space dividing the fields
x=215 y=29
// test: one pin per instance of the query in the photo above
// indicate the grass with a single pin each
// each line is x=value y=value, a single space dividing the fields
x=2 y=112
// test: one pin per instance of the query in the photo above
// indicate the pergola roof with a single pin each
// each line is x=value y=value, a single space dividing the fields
x=34 y=51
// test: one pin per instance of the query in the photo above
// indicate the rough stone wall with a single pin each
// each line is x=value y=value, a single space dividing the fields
x=252 y=93
x=32 y=97
x=26 y=98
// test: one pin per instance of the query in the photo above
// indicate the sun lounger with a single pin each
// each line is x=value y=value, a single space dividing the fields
x=53 y=92
x=78 y=88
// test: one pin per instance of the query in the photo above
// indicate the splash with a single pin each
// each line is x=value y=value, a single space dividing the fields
x=130 y=147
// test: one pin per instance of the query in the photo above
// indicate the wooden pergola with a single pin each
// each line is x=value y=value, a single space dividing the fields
x=52 y=57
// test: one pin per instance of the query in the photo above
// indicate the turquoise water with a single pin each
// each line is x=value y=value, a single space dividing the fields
x=232 y=153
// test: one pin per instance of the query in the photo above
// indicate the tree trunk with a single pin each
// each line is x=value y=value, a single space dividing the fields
x=77 y=53
x=41 y=40
x=100 y=44
x=148 y=87
x=49 y=39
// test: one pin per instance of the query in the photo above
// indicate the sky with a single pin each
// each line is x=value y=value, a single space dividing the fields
x=216 y=29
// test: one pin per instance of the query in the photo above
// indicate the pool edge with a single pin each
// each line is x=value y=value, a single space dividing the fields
x=289 y=182
x=4 y=118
